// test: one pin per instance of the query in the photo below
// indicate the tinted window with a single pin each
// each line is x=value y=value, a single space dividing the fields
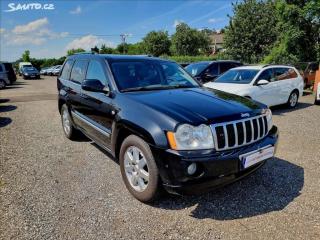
x=266 y=75
x=78 y=71
x=314 y=67
x=196 y=68
x=213 y=70
x=1 y=68
x=226 y=66
x=150 y=75
x=95 y=71
x=66 y=69
x=284 y=73
x=237 y=76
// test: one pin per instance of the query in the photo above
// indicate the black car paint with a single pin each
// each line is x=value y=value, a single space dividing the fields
x=29 y=73
x=107 y=118
x=204 y=77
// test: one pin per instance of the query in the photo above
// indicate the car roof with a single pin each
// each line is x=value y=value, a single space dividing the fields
x=114 y=57
x=216 y=61
x=261 y=66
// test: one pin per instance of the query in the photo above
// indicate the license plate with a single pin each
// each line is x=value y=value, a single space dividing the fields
x=32 y=75
x=257 y=156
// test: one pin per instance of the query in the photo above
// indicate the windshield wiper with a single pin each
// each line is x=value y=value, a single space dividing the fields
x=150 y=88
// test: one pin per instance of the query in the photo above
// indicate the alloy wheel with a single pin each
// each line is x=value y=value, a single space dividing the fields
x=136 y=168
x=66 y=122
x=293 y=99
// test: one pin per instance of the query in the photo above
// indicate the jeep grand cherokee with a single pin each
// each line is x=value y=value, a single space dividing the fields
x=165 y=129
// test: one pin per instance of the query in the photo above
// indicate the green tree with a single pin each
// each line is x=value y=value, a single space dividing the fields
x=122 y=48
x=73 y=51
x=189 y=41
x=136 y=48
x=95 y=49
x=26 y=56
x=157 y=43
x=298 y=30
x=106 y=50
x=251 y=31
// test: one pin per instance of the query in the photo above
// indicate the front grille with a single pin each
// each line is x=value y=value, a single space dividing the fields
x=239 y=133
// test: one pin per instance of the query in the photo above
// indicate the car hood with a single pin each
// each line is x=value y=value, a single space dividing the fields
x=227 y=87
x=196 y=105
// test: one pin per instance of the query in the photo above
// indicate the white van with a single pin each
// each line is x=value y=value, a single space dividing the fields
x=24 y=64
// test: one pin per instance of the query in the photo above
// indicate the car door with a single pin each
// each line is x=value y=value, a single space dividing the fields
x=72 y=86
x=287 y=81
x=96 y=107
x=266 y=94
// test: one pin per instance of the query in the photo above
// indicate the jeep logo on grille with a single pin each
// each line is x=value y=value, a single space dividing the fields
x=243 y=115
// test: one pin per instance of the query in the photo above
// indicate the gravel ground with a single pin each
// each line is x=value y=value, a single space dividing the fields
x=53 y=188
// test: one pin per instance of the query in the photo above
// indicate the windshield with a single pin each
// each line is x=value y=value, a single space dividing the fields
x=196 y=68
x=28 y=69
x=150 y=75
x=238 y=76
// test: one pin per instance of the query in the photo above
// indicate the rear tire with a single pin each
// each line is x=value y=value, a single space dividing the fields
x=69 y=131
x=293 y=99
x=139 y=170
x=2 y=84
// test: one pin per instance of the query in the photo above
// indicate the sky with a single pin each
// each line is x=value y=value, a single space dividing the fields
x=59 y=25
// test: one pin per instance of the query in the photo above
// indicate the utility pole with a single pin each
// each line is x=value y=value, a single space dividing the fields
x=123 y=39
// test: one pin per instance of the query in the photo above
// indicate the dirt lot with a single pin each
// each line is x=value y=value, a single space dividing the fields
x=52 y=188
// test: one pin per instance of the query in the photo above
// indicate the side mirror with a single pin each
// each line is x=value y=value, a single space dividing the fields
x=94 y=85
x=262 y=82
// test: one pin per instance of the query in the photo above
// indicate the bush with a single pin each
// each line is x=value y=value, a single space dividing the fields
x=190 y=59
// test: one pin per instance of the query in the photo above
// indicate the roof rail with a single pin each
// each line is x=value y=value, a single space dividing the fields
x=84 y=53
x=267 y=65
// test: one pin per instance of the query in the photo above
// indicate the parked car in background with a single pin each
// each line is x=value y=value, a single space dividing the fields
x=22 y=65
x=308 y=72
x=51 y=70
x=56 y=70
x=30 y=73
x=268 y=84
x=207 y=71
x=43 y=71
x=163 y=126
x=8 y=75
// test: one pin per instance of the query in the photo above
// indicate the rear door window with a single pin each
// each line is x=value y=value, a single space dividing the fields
x=78 y=72
x=1 y=68
x=213 y=69
x=225 y=66
x=284 y=73
x=67 y=70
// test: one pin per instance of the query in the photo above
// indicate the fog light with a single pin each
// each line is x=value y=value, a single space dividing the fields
x=192 y=168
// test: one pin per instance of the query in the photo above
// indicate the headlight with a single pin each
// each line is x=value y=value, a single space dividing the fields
x=26 y=74
x=189 y=137
x=268 y=114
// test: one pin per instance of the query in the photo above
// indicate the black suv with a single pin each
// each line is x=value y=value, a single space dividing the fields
x=207 y=71
x=161 y=124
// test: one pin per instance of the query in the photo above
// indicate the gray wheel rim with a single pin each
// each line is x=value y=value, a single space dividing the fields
x=136 y=169
x=293 y=99
x=66 y=122
x=2 y=84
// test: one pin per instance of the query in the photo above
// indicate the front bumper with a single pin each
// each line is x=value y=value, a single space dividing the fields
x=214 y=169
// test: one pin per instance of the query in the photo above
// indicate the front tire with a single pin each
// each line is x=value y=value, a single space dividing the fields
x=69 y=131
x=139 y=170
x=293 y=99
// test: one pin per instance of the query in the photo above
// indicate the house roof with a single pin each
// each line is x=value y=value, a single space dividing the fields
x=217 y=38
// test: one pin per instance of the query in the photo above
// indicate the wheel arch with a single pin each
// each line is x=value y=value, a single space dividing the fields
x=121 y=131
